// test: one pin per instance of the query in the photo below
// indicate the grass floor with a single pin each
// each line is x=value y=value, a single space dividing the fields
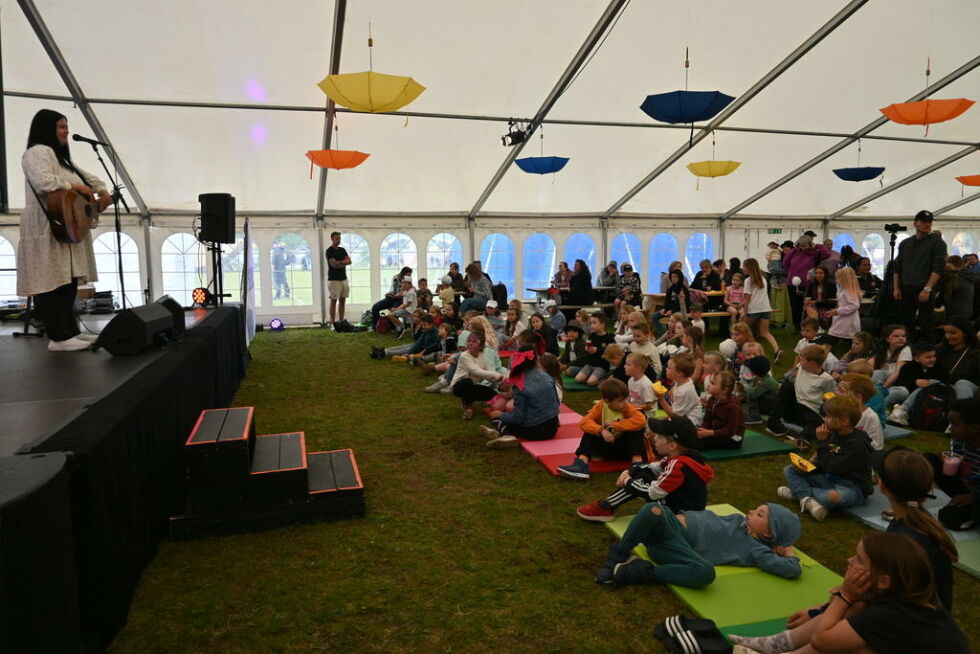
x=462 y=548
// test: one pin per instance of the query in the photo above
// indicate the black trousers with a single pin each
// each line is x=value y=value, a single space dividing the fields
x=917 y=314
x=57 y=309
x=469 y=391
x=796 y=304
x=787 y=409
x=624 y=447
x=540 y=432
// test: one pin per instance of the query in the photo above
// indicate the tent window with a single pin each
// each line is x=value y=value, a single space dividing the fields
x=292 y=271
x=442 y=250
x=232 y=264
x=874 y=248
x=540 y=262
x=359 y=270
x=699 y=246
x=581 y=246
x=8 y=278
x=497 y=259
x=626 y=248
x=397 y=251
x=663 y=250
x=845 y=239
x=108 y=267
x=962 y=244
x=183 y=266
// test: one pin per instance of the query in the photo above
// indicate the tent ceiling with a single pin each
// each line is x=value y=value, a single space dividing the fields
x=501 y=58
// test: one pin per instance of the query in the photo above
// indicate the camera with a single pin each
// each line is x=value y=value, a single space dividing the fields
x=894 y=228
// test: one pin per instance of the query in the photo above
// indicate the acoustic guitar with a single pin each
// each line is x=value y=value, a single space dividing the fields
x=71 y=215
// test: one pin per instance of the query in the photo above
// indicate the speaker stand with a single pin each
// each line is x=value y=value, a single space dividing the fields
x=217 y=283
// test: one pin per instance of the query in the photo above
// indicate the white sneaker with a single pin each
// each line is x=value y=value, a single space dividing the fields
x=503 y=442
x=489 y=432
x=899 y=415
x=436 y=386
x=784 y=493
x=91 y=338
x=73 y=344
x=814 y=508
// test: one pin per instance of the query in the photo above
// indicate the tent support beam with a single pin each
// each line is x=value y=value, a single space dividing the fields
x=862 y=133
x=958 y=203
x=4 y=182
x=902 y=182
x=478 y=118
x=78 y=97
x=591 y=41
x=743 y=99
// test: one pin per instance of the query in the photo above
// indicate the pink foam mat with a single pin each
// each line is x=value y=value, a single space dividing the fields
x=552 y=461
x=563 y=446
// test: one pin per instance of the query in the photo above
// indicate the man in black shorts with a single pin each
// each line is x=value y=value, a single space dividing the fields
x=338 y=285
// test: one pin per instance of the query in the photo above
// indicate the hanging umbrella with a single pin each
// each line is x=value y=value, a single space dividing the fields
x=541 y=165
x=926 y=112
x=859 y=174
x=685 y=106
x=969 y=180
x=336 y=159
x=371 y=92
x=713 y=168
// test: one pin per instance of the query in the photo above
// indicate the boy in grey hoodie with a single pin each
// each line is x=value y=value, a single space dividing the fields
x=687 y=546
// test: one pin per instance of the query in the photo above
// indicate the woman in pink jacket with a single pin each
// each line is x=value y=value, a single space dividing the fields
x=798 y=262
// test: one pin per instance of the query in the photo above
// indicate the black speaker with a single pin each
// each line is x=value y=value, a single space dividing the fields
x=134 y=330
x=177 y=311
x=39 y=610
x=217 y=217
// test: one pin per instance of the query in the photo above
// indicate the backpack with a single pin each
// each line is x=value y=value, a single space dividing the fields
x=500 y=295
x=928 y=412
x=383 y=326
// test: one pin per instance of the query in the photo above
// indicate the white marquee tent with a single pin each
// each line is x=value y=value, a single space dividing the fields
x=221 y=96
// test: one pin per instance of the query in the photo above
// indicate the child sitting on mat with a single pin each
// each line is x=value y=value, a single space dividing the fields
x=682 y=399
x=692 y=341
x=555 y=317
x=615 y=356
x=714 y=362
x=550 y=364
x=723 y=425
x=534 y=414
x=678 y=479
x=641 y=388
x=759 y=390
x=426 y=342
x=865 y=368
x=809 y=330
x=613 y=429
x=643 y=344
x=574 y=355
x=799 y=400
x=596 y=368
x=862 y=389
x=841 y=476
x=688 y=546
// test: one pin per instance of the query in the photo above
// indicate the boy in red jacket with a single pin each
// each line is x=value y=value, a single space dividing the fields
x=678 y=479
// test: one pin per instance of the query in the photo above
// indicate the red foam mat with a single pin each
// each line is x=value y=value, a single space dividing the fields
x=552 y=461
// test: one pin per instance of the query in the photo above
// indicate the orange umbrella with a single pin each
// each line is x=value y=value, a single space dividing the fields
x=925 y=112
x=336 y=159
x=969 y=180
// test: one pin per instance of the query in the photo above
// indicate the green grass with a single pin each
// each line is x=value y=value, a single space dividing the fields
x=462 y=549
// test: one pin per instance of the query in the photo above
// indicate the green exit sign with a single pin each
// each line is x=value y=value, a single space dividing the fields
x=775 y=231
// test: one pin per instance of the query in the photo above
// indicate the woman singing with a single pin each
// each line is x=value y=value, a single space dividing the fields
x=48 y=270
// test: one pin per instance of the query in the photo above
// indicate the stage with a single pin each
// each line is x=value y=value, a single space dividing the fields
x=120 y=422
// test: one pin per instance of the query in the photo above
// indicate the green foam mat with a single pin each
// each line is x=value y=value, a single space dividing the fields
x=569 y=384
x=969 y=551
x=753 y=444
x=765 y=628
x=770 y=597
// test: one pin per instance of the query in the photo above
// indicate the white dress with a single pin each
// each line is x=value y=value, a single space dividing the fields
x=44 y=264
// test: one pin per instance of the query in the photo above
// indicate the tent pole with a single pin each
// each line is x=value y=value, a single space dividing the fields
x=958 y=203
x=4 y=196
x=721 y=239
x=148 y=262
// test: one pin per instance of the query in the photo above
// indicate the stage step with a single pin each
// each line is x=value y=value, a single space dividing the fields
x=334 y=475
x=221 y=444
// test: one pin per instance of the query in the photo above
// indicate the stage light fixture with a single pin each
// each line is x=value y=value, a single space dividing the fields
x=202 y=297
x=276 y=325
x=515 y=134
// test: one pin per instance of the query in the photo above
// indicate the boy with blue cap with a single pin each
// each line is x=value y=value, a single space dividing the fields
x=688 y=545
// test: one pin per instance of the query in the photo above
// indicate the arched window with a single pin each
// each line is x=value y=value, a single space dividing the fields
x=397 y=251
x=845 y=239
x=581 y=246
x=497 y=259
x=233 y=264
x=359 y=270
x=699 y=246
x=663 y=250
x=8 y=278
x=442 y=250
x=292 y=271
x=107 y=264
x=873 y=247
x=540 y=259
x=962 y=244
x=626 y=249
x=183 y=266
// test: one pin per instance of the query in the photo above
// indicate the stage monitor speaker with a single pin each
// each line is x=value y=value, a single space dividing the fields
x=217 y=217
x=176 y=311
x=39 y=609
x=134 y=330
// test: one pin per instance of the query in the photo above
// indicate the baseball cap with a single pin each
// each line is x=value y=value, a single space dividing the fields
x=924 y=216
x=787 y=244
x=447 y=279
x=550 y=303
x=491 y=303
x=810 y=233
x=773 y=243
x=407 y=279
x=758 y=365
x=627 y=266
x=679 y=428
x=576 y=325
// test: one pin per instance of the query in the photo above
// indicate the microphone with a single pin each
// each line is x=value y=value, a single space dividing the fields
x=85 y=139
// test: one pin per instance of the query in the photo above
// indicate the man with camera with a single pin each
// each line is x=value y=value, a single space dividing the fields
x=921 y=260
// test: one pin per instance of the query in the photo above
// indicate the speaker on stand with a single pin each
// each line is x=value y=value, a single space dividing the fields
x=217 y=227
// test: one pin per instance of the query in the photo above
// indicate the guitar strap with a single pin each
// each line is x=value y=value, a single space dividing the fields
x=54 y=219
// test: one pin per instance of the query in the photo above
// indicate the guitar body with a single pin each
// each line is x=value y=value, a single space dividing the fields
x=71 y=215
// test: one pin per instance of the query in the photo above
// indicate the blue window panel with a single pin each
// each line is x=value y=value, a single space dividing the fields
x=497 y=258
x=699 y=246
x=581 y=246
x=873 y=247
x=540 y=257
x=397 y=251
x=626 y=248
x=442 y=250
x=663 y=250
x=845 y=239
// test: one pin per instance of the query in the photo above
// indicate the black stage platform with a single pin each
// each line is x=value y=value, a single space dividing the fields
x=122 y=422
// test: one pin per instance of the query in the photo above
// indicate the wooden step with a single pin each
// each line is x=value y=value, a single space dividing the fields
x=221 y=444
x=334 y=475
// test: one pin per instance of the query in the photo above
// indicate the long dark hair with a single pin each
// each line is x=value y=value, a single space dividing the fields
x=585 y=268
x=44 y=128
x=965 y=325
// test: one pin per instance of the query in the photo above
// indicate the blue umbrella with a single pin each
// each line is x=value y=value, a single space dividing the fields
x=861 y=174
x=685 y=106
x=542 y=165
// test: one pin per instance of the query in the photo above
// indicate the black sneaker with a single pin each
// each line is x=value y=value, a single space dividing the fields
x=776 y=428
x=614 y=558
x=634 y=571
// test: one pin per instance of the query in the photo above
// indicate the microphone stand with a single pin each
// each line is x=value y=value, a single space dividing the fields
x=116 y=197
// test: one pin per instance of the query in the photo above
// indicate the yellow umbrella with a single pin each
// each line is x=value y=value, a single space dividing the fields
x=370 y=91
x=713 y=168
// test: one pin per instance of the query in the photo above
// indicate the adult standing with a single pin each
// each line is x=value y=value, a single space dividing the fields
x=392 y=298
x=580 y=285
x=756 y=307
x=478 y=284
x=338 y=286
x=918 y=265
x=47 y=270
x=280 y=259
x=798 y=263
